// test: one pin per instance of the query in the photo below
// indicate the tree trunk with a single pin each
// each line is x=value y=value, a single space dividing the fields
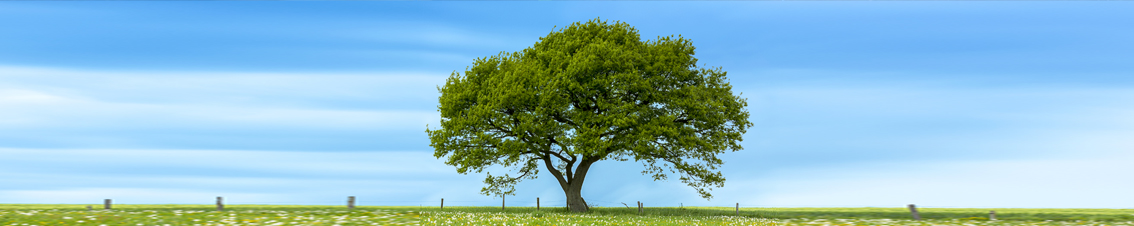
x=574 y=189
x=572 y=183
x=575 y=199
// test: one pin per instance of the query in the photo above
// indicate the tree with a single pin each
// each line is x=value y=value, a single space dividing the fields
x=590 y=92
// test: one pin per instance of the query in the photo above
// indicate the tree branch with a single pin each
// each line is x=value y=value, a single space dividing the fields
x=554 y=172
x=559 y=118
x=561 y=147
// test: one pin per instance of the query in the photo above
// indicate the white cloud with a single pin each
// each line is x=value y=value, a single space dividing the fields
x=222 y=87
x=195 y=176
x=1080 y=165
x=133 y=196
x=943 y=144
x=282 y=162
x=32 y=109
x=1032 y=183
x=921 y=99
x=54 y=98
x=28 y=96
x=943 y=116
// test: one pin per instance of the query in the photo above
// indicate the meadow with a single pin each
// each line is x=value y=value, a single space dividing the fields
x=40 y=215
x=774 y=216
x=161 y=215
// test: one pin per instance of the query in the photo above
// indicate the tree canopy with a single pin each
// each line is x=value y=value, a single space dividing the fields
x=589 y=92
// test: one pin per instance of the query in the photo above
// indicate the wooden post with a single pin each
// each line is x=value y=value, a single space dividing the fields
x=220 y=204
x=106 y=204
x=992 y=215
x=442 y=203
x=350 y=202
x=913 y=210
x=738 y=209
x=536 y=203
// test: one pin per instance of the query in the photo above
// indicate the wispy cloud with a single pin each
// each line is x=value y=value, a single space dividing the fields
x=191 y=176
x=132 y=196
x=957 y=116
x=101 y=108
x=38 y=97
x=1070 y=182
x=224 y=87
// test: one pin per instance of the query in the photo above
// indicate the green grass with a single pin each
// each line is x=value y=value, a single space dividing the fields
x=46 y=214
x=197 y=207
x=840 y=213
x=935 y=213
x=777 y=216
x=34 y=214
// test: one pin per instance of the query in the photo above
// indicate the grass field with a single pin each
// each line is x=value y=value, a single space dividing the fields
x=775 y=216
x=38 y=214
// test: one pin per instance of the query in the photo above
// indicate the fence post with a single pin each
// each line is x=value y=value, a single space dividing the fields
x=913 y=210
x=537 y=203
x=350 y=202
x=992 y=215
x=106 y=204
x=220 y=204
x=442 y=203
x=738 y=209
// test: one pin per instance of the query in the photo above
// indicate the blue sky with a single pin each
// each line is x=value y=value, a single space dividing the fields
x=941 y=104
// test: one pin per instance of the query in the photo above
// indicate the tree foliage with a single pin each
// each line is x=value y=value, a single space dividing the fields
x=589 y=92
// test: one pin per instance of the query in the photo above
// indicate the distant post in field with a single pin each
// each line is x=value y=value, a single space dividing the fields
x=738 y=209
x=992 y=215
x=350 y=202
x=220 y=203
x=537 y=203
x=442 y=203
x=106 y=204
x=913 y=210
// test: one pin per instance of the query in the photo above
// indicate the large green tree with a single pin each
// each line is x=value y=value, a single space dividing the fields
x=590 y=92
